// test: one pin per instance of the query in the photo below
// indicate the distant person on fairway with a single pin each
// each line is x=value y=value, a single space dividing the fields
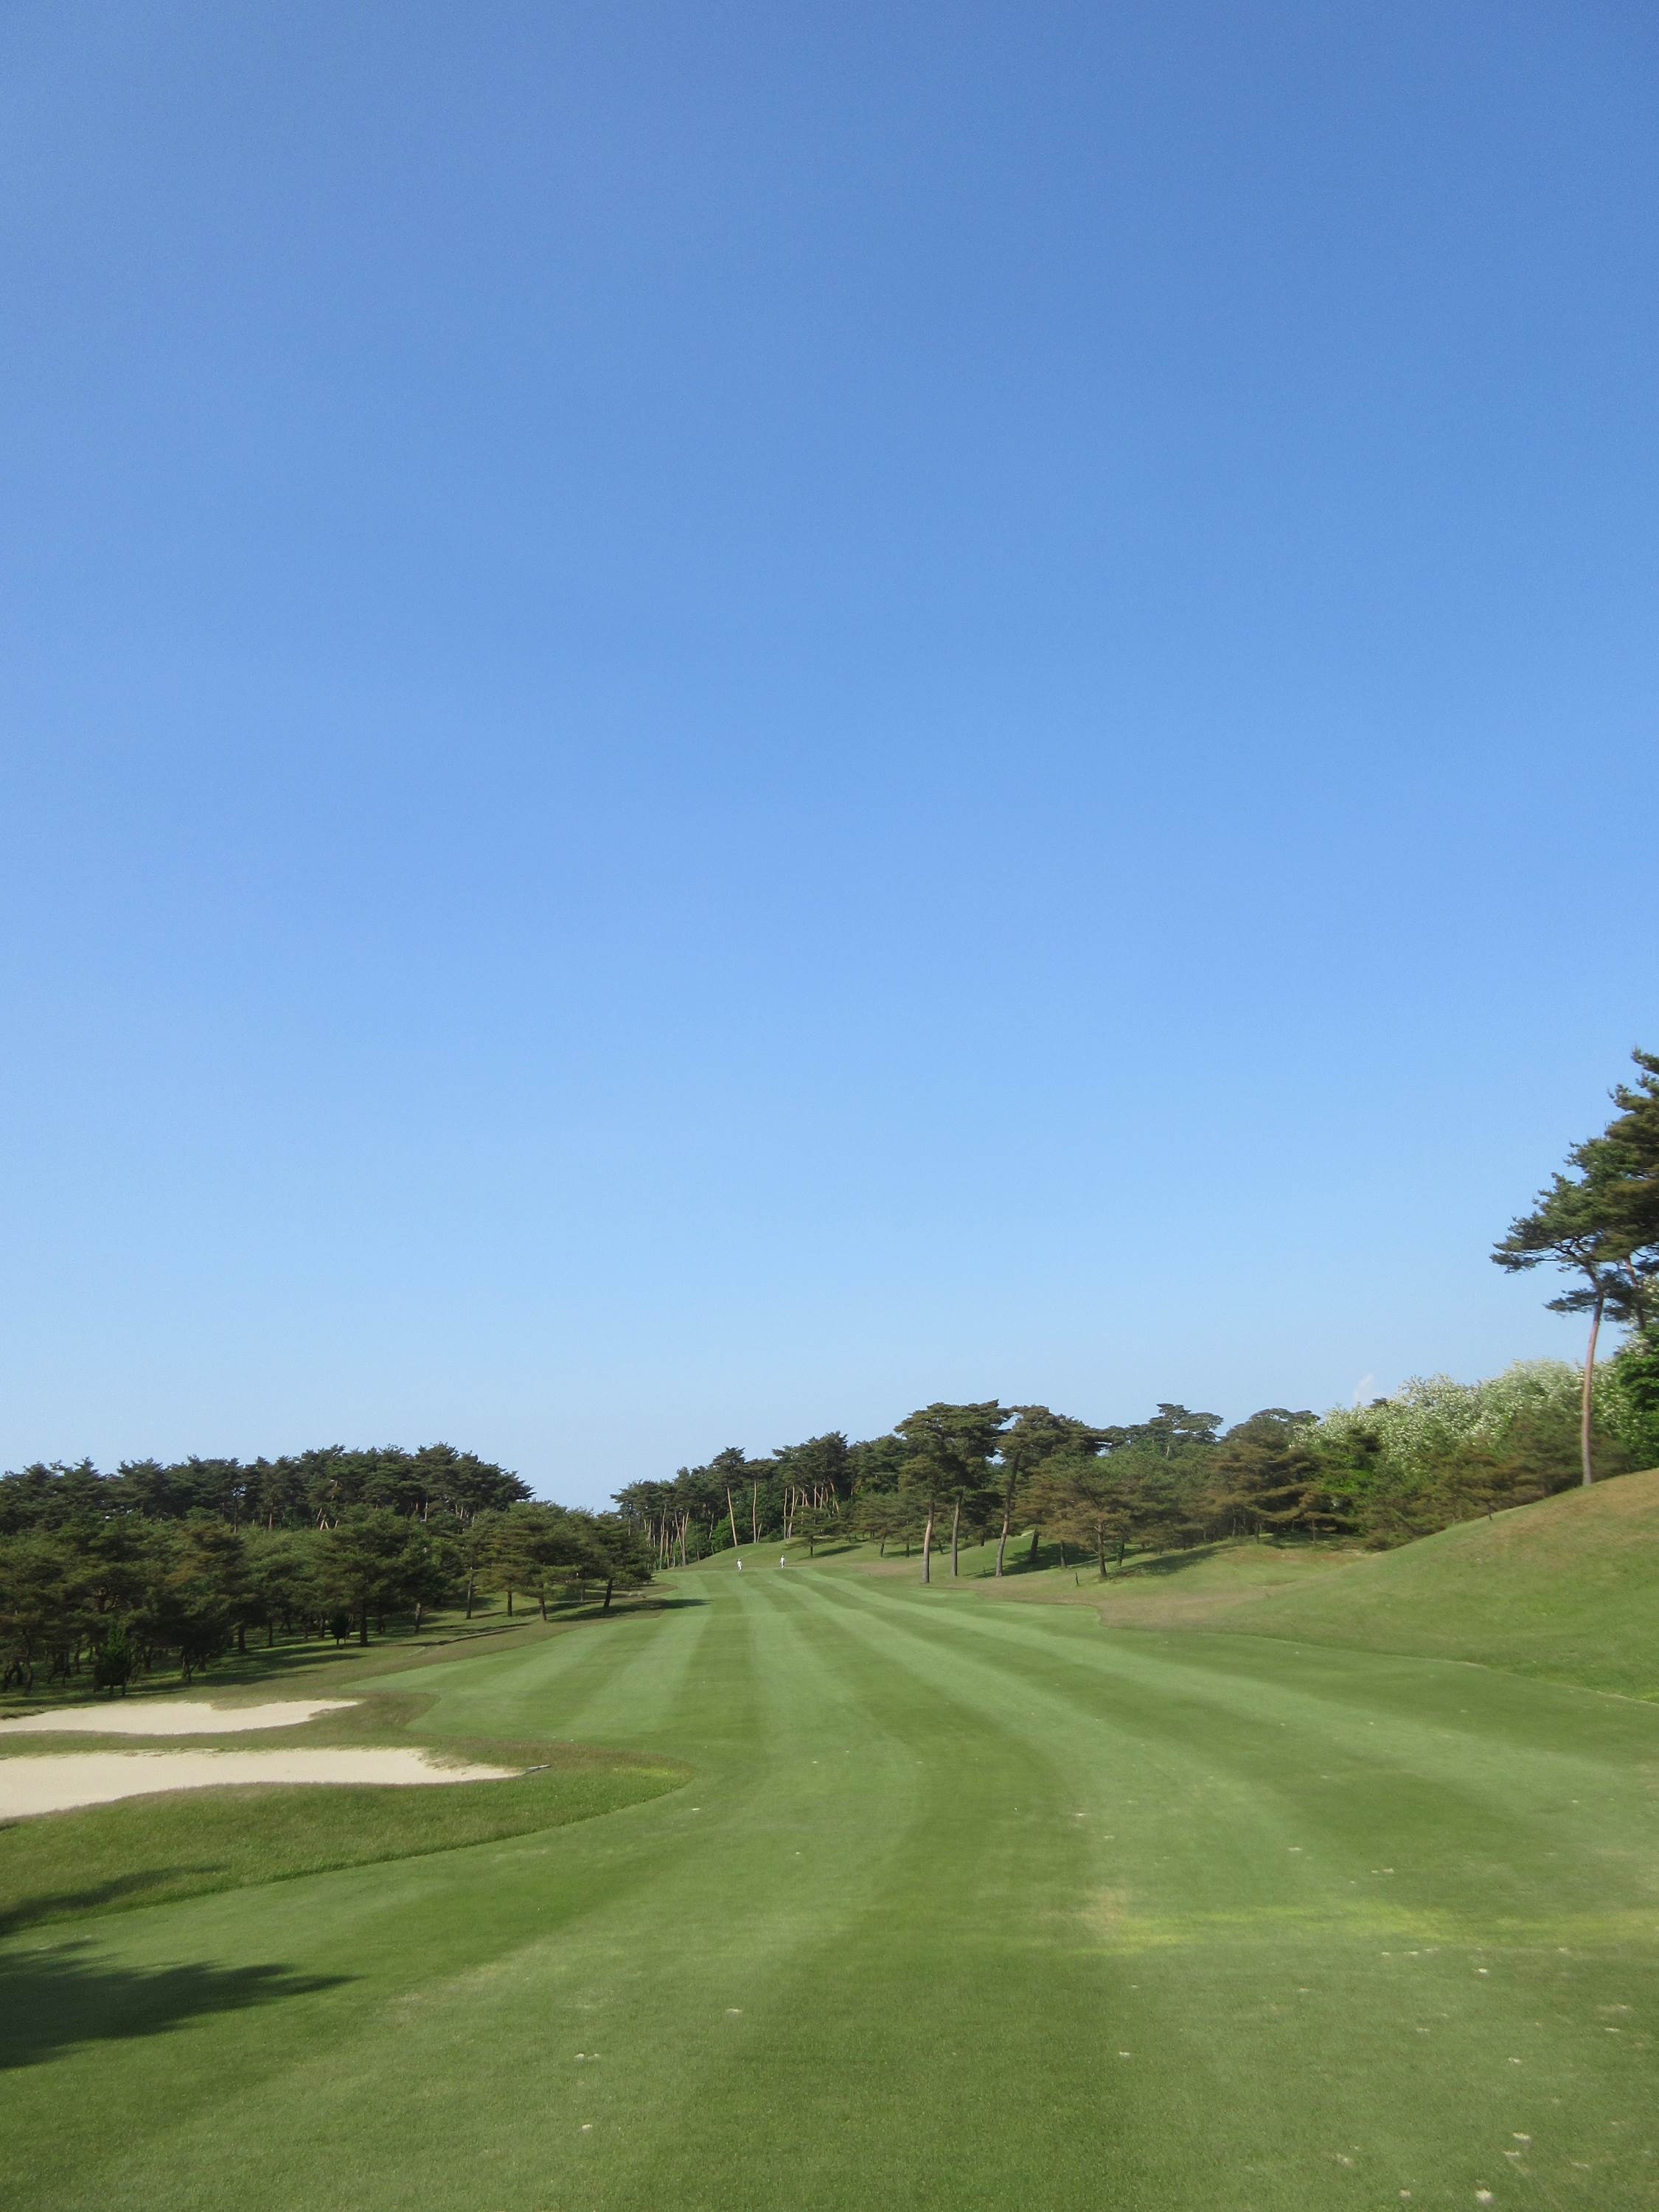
x=784 y=1559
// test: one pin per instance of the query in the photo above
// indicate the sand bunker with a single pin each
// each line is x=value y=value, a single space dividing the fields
x=53 y=1785
x=173 y=1717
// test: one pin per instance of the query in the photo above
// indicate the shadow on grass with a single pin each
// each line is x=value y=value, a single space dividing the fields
x=596 y=1611
x=1076 y=1562
x=1140 y=1566
x=1146 y=1569
x=1155 y=1566
x=54 y=2001
x=58 y=1903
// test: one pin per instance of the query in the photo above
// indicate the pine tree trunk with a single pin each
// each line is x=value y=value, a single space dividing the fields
x=955 y=1526
x=1588 y=1410
x=1031 y=1561
x=927 y=1549
x=1002 y=1542
x=732 y=1517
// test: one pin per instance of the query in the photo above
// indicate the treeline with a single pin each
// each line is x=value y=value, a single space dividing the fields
x=952 y=1476
x=301 y=1490
x=1437 y=1451
x=106 y=1577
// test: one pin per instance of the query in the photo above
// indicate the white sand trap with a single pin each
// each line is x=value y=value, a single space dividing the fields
x=53 y=1785
x=173 y=1717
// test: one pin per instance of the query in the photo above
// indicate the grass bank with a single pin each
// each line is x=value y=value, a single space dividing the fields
x=1566 y=1590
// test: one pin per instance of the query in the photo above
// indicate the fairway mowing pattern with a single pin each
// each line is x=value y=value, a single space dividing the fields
x=967 y=1905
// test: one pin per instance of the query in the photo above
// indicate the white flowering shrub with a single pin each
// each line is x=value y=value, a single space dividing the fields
x=1398 y=1459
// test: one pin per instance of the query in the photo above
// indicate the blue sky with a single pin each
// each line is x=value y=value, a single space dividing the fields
x=716 y=720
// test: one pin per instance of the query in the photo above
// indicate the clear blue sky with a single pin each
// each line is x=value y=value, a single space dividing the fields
x=717 y=719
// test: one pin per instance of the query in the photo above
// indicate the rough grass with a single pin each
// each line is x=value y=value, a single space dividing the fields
x=970 y=1907
x=1567 y=1590
x=1175 y=1590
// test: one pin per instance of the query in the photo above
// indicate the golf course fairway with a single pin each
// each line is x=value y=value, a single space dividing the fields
x=966 y=1905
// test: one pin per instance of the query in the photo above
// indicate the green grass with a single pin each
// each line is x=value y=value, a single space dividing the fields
x=1567 y=1590
x=111 y=1858
x=1170 y=1589
x=108 y=1858
x=1151 y=1588
x=967 y=1905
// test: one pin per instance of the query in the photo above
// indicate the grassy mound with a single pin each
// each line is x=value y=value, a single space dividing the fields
x=1567 y=1590
x=1176 y=1589
x=147 y=1850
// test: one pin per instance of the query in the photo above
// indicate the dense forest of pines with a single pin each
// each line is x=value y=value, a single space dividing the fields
x=113 y=1573
x=109 y=1574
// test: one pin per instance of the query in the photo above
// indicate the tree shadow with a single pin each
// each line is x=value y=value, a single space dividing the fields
x=596 y=1611
x=1158 y=1566
x=54 y=2001
x=1140 y=1566
x=63 y=1903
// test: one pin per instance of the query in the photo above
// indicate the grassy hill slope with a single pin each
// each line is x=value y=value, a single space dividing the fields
x=1567 y=1590
x=1172 y=1589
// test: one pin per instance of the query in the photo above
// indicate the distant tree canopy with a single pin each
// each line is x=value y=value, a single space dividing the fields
x=1435 y=1452
x=302 y=1489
